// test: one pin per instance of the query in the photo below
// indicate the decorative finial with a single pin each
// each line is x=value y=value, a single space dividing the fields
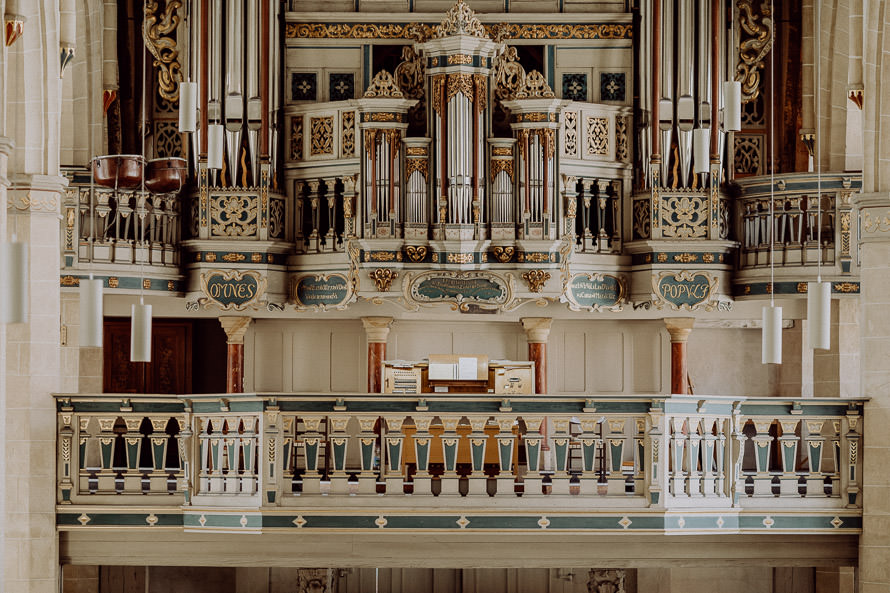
x=460 y=20
x=383 y=85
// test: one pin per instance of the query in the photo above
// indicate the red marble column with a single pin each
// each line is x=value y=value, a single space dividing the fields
x=235 y=328
x=537 y=330
x=679 y=328
x=377 y=331
x=234 y=368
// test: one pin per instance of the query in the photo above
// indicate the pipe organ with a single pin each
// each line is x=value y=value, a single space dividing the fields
x=458 y=60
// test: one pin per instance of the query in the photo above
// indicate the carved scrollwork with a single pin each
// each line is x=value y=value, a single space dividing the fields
x=159 y=35
x=755 y=41
x=534 y=87
x=536 y=279
x=460 y=82
x=383 y=278
x=460 y=20
x=383 y=85
x=508 y=74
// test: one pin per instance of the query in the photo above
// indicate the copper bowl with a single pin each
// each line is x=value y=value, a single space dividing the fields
x=167 y=175
x=118 y=171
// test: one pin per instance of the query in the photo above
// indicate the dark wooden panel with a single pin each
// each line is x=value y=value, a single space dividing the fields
x=170 y=369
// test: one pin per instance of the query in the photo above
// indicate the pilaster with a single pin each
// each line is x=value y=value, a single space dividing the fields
x=377 y=331
x=235 y=328
x=679 y=328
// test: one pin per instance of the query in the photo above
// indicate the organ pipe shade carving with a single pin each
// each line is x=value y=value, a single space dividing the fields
x=159 y=34
x=755 y=39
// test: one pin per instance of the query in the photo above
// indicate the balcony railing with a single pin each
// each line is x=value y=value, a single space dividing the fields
x=118 y=226
x=595 y=455
x=798 y=240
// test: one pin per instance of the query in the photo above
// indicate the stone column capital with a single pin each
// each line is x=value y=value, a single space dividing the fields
x=679 y=328
x=537 y=329
x=235 y=328
x=377 y=328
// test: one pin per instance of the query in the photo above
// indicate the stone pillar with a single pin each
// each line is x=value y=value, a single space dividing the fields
x=679 y=328
x=235 y=328
x=377 y=330
x=537 y=330
x=874 y=323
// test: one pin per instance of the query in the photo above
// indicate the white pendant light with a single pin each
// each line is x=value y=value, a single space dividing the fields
x=13 y=282
x=772 y=335
x=140 y=332
x=215 y=146
x=732 y=106
x=819 y=314
x=91 y=316
x=188 y=106
x=701 y=145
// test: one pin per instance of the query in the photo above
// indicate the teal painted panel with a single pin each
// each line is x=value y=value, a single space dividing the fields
x=328 y=291
x=119 y=519
x=340 y=521
x=685 y=292
x=339 y=455
x=422 y=454
x=159 y=454
x=476 y=289
x=229 y=289
x=367 y=456
x=502 y=522
x=533 y=454
x=478 y=454
x=596 y=290
x=450 y=455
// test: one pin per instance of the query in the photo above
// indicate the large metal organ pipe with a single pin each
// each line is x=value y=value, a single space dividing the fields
x=683 y=67
x=233 y=41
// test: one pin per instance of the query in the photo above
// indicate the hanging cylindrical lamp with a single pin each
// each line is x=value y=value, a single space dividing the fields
x=701 y=145
x=188 y=106
x=13 y=282
x=771 y=338
x=819 y=314
x=732 y=106
x=140 y=332
x=91 y=316
x=215 y=146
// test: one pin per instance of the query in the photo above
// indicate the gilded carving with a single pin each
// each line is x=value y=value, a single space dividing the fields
x=504 y=254
x=621 y=142
x=597 y=136
x=755 y=42
x=460 y=82
x=421 y=31
x=508 y=74
x=480 y=82
x=707 y=258
x=416 y=253
x=502 y=151
x=534 y=87
x=296 y=138
x=460 y=59
x=412 y=165
x=845 y=287
x=234 y=257
x=417 y=151
x=347 y=146
x=113 y=282
x=69 y=281
x=460 y=20
x=383 y=278
x=498 y=165
x=438 y=93
x=159 y=34
x=459 y=258
x=686 y=258
x=322 y=139
x=383 y=85
x=536 y=279
x=380 y=256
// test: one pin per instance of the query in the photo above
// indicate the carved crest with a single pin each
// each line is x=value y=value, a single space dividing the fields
x=534 y=87
x=460 y=20
x=383 y=85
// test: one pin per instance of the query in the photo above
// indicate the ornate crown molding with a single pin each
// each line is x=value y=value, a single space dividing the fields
x=460 y=20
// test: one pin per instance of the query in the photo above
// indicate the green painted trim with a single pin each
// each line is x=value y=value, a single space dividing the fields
x=126 y=282
x=655 y=521
x=754 y=289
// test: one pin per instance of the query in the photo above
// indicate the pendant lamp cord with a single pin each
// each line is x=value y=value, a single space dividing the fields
x=772 y=168
x=142 y=190
x=816 y=152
